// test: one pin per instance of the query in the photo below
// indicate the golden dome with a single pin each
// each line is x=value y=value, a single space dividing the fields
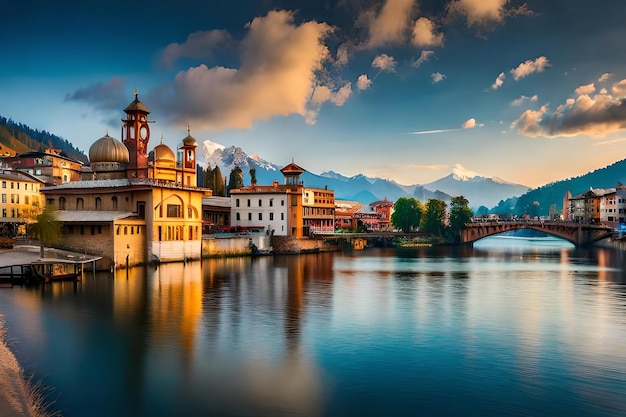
x=108 y=149
x=190 y=141
x=163 y=153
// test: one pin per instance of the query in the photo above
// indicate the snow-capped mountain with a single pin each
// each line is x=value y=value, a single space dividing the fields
x=477 y=189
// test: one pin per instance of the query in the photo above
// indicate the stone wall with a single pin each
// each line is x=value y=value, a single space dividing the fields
x=291 y=245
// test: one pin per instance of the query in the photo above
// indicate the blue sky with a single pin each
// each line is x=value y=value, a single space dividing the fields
x=410 y=90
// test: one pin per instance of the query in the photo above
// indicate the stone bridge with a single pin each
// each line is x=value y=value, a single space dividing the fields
x=576 y=233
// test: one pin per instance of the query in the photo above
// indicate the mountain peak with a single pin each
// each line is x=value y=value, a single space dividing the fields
x=461 y=173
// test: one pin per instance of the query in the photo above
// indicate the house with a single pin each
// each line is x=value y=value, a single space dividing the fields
x=49 y=166
x=20 y=201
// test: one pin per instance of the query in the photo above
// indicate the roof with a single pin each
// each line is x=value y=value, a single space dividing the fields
x=216 y=201
x=121 y=182
x=17 y=175
x=136 y=105
x=73 y=216
x=292 y=168
x=35 y=154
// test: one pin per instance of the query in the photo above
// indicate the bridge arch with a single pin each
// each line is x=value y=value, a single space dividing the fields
x=578 y=234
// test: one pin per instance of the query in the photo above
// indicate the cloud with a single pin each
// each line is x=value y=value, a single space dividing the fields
x=429 y=132
x=102 y=96
x=425 y=33
x=437 y=77
x=389 y=25
x=619 y=88
x=424 y=56
x=363 y=83
x=597 y=116
x=605 y=77
x=342 y=56
x=528 y=67
x=280 y=74
x=384 y=62
x=498 y=82
x=586 y=89
x=469 y=124
x=199 y=44
x=485 y=14
x=522 y=99
x=610 y=142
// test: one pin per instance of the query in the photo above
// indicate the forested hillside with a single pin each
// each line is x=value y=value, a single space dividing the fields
x=553 y=193
x=22 y=138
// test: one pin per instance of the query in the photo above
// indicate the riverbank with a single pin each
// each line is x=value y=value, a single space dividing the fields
x=17 y=397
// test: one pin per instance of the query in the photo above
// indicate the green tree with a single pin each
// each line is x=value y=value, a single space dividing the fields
x=236 y=179
x=482 y=210
x=252 y=176
x=406 y=215
x=48 y=228
x=460 y=215
x=434 y=217
x=208 y=178
x=218 y=182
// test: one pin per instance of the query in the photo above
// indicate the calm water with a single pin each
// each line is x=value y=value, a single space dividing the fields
x=509 y=327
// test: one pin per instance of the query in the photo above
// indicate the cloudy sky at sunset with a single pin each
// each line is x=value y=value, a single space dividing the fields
x=528 y=91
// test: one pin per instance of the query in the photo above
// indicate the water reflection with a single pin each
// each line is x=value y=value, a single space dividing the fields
x=448 y=331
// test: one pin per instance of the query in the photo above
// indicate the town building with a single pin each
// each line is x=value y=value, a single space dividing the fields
x=20 y=201
x=50 y=166
x=384 y=208
x=287 y=209
x=215 y=214
x=344 y=214
x=132 y=206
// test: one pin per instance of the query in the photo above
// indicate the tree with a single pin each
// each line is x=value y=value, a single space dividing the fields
x=482 y=210
x=48 y=228
x=460 y=215
x=406 y=215
x=218 y=182
x=252 y=176
x=236 y=179
x=434 y=217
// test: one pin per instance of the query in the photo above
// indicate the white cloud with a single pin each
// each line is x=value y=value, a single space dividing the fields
x=384 y=62
x=424 y=56
x=499 y=81
x=390 y=24
x=480 y=12
x=363 y=83
x=280 y=61
x=460 y=172
x=619 y=88
x=605 y=77
x=528 y=67
x=342 y=56
x=594 y=115
x=199 y=44
x=522 y=99
x=469 y=124
x=585 y=89
x=437 y=77
x=425 y=33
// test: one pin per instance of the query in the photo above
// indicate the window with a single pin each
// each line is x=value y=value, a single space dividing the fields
x=237 y=203
x=4 y=198
x=173 y=210
x=238 y=217
x=141 y=209
x=26 y=200
x=4 y=212
x=260 y=202
x=271 y=202
x=282 y=216
x=282 y=202
x=4 y=184
x=249 y=216
x=98 y=203
x=61 y=203
x=80 y=204
x=12 y=185
x=114 y=201
x=248 y=202
x=260 y=216
x=271 y=216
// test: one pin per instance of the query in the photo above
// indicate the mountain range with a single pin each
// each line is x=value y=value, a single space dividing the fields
x=479 y=190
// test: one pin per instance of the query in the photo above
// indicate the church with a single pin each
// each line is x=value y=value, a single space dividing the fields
x=132 y=206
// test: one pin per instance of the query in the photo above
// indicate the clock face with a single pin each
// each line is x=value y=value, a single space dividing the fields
x=143 y=132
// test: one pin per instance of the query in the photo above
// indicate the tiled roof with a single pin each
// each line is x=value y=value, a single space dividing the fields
x=91 y=215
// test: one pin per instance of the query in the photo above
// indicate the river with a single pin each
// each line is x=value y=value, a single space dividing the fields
x=510 y=327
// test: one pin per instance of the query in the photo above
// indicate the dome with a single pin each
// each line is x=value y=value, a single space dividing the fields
x=108 y=149
x=163 y=153
x=190 y=141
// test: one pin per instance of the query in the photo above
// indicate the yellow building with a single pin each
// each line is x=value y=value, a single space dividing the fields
x=130 y=206
x=20 y=201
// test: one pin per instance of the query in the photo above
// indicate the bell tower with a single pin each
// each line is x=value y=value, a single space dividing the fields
x=188 y=162
x=135 y=135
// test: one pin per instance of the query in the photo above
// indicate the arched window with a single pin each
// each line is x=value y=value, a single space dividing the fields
x=80 y=204
x=114 y=201
x=61 y=203
x=98 y=203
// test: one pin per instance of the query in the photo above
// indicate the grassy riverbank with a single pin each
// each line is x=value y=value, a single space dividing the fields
x=18 y=396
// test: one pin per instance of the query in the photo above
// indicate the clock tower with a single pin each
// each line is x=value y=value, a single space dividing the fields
x=135 y=135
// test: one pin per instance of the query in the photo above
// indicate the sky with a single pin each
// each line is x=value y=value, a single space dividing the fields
x=409 y=90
